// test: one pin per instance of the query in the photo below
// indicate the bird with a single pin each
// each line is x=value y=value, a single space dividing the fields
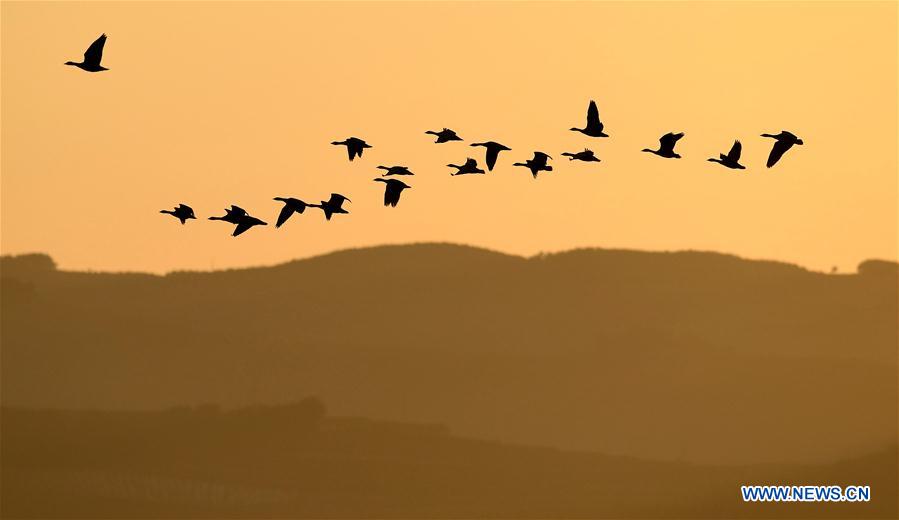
x=537 y=164
x=332 y=205
x=594 y=125
x=354 y=146
x=470 y=167
x=92 y=56
x=784 y=141
x=666 y=146
x=493 y=150
x=392 y=190
x=586 y=156
x=232 y=215
x=444 y=135
x=732 y=159
x=291 y=206
x=395 y=170
x=245 y=222
x=182 y=212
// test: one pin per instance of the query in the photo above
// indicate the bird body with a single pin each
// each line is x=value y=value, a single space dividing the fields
x=783 y=142
x=291 y=206
x=666 y=146
x=332 y=205
x=92 y=56
x=537 y=164
x=594 y=126
x=444 y=135
x=586 y=156
x=392 y=190
x=732 y=159
x=182 y=212
x=354 y=146
x=470 y=167
x=493 y=150
x=395 y=170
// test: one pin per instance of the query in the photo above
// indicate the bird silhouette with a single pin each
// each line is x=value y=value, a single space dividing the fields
x=784 y=141
x=232 y=215
x=470 y=167
x=444 y=135
x=92 y=56
x=182 y=212
x=332 y=205
x=666 y=146
x=354 y=146
x=392 y=190
x=537 y=164
x=239 y=216
x=395 y=170
x=291 y=206
x=594 y=125
x=493 y=150
x=586 y=156
x=732 y=159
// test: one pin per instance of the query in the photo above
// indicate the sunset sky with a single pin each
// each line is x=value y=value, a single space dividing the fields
x=213 y=104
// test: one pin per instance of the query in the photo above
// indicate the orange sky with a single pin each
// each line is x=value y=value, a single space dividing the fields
x=218 y=103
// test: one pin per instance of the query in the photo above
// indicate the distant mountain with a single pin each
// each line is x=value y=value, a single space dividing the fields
x=681 y=356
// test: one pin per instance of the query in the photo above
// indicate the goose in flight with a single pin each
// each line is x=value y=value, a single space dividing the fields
x=182 y=212
x=470 y=167
x=732 y=159
x=594 y=125
x=444 y=135
x=666 y=146
x=537 y=164
x=232 y=216
x=245 y=222
x=291 y=206
x=493 y=150
x=332 y=205
x=586 y=156
x=395 y=170
x=92 y=56
x=392 y=190
x=783 y=142
x=354 y=146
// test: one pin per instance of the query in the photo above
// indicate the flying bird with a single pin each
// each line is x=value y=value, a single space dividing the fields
x=586 y=156
x=493 y=150
x=537 y=164
x=666 y=146
x=784 y=141
x=732 y=159
x=594 y=125
x=470 y=167
x=395 y=170
x=291 y=206
x=332 y=205
x=232 y=215
x=354 y=146
x=444 y=135
x=239 y=216
x=392 y=190
x=182 y=212
x=92 y=56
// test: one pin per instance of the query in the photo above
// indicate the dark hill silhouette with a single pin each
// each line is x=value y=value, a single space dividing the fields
x=691 y=356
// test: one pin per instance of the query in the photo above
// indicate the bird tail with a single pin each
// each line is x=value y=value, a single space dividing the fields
x=549 y=168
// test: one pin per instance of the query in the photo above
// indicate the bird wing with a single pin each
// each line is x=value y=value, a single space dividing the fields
x=351 y=151
x=94 y=53
x=777 y=151
x=492 y=154
x=285 y=214
x=392 y=193
x=242 y=226
x=336 y=200
x=668 y=141
x=734 y=153
x=470 y=163
x=593 y=116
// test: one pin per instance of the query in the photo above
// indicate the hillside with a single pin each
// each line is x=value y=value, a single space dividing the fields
x=680 y=356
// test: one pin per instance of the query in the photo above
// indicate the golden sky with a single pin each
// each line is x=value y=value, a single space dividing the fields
x=218 y=103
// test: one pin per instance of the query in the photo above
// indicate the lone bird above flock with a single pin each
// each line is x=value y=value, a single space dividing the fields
x=537 y=164
x=493 y=150
x=183 y=212
x=291 y=206
x=470 y=167
x=594 y=125
x=586 y=156
x=666 y=146
x=444 y=135
x=395 y=170
x=332 y=205
x=732 y=159
x=784 y=141
x=392 y=190
x=92 y=56
x=354 y=146
x=232 y=215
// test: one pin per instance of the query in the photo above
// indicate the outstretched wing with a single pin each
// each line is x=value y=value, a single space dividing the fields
x=392 y=193
x=351 y=151
x=237 y=211
x=94 y=53
x=734 y=153
x=242 y=226
x=777 y=151
x=285 y=214
x=668 y=141
x=470 y=163
x=336 y=200
x=492 y=154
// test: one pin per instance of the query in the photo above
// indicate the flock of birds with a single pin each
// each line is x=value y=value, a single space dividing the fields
x=394 y=187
